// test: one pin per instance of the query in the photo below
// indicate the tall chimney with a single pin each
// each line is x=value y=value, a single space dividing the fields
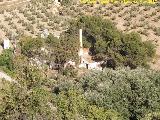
x=80 y=38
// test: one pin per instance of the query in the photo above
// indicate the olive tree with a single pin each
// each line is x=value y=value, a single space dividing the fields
x=133 y=93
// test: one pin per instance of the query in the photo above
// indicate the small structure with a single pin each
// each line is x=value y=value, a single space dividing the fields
x=54 y=66
x=57 y=34
x=57 y=2
x=85 y=59
x=45 y=33
x=70 y=63
x=6 y=43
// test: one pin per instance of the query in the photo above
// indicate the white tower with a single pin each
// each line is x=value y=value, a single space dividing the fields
x=81 y=46
x=80 y=38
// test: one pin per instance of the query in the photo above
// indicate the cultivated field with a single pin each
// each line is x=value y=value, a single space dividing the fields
x=30 y=18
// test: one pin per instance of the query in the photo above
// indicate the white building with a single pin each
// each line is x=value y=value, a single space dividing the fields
x=57 y=2
x=85 y=59
x=6 y=43
x=45 y=33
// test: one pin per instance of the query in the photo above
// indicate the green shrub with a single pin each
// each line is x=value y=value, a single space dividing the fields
x=6 y=60
x=67 y=2
x=72 y=105
x=157 y=31
x=20 y=103
x=152 y=116
x=30 y=46
x=70 y=71
x=132 y=93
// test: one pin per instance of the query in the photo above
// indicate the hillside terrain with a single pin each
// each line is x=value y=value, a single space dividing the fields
x=72 y=61
x=31 y=18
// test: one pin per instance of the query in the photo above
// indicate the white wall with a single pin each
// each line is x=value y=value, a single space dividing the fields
x=6 y=44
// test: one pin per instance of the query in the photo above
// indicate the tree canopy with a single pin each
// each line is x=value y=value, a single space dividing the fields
x=119 y=94
x=107 y=42
x=6 y=61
